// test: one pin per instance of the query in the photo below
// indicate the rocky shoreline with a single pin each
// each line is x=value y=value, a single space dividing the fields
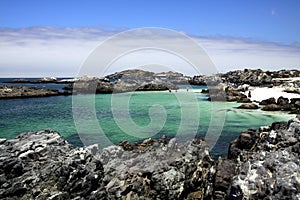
x=261 y=164
x=12 y=92
x=140 y=80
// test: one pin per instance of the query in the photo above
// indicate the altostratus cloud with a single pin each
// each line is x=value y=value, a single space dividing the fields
x=48 y=51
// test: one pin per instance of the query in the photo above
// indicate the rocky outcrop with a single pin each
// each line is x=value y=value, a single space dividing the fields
x=258 y=77
x=204 y=80
x=127 y=81
x=46 y=80
x=271 y=107
x=42 y=165
x=262 y=164
x=41 y=80
x=268 y=162
x=248 y=76
x=224 y=93
x=158 y=169
x=20 y=80
x=282 y=104
x=271 y=100
x=11 y=92
x=248 y=106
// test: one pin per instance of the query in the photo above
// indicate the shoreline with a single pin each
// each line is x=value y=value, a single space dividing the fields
x=21 y=92
x=261 y=93
x=255 y=159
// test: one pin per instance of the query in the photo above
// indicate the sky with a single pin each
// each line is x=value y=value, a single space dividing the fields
x=55 y=37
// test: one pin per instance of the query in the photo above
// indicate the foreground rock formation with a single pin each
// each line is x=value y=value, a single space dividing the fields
x=42 y=165
x=261 y=164
x=267 y=162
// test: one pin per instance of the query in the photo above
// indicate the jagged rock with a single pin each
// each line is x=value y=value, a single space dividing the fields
x=261 y=164
x=247 y=76
x=158 y=168
x=225 y=171
x=42 y=165
x=127 y=81
x=244 y=142
x=270 y=168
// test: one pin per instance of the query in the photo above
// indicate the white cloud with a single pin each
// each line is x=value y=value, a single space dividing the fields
x=48 y=51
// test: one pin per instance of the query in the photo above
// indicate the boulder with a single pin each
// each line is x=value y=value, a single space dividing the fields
x=248 y=106
x=271 y=107
x=271 y=100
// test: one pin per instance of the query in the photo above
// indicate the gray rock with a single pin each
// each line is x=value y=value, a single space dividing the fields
x=42 y=165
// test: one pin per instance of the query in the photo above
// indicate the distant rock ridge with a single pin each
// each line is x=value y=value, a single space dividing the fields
x=261 y=164
x=140 y=80
x=129 y=80
x=12 y=92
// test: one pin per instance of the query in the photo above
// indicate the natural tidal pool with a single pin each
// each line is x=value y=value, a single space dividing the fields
x=132 y=117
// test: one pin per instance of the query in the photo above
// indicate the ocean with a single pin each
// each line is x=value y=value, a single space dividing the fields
x=57 y=113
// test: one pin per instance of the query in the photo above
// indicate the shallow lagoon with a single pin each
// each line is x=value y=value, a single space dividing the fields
x=21 y=115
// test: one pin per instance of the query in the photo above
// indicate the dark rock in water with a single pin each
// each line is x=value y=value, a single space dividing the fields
x=20 y=81
x=279 y=126
x=248 y=106
x=46 y=80
x=284 y=103
x=245 y=142
x=271 y=100
x=128 y=81
x=271 y=107
x=295 y=106
x=205 y=91
x=11 y=92
x=244 y=100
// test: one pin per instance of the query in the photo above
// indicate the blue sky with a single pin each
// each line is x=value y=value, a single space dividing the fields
x=223 y=28
x=275 y=20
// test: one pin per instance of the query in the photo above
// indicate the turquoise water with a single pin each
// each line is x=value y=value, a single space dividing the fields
x=21 y=115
